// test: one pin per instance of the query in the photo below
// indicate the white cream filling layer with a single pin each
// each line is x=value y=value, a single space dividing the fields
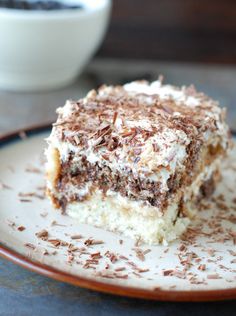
x=119 y=214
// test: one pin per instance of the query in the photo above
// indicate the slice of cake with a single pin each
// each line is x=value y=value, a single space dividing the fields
x=136 y=159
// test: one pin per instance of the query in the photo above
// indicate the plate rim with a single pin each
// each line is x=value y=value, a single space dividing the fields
x=100 y=286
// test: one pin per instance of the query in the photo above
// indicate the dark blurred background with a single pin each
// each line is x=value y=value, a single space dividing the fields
x=176 y=30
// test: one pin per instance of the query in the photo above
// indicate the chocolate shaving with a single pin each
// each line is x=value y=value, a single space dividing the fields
x=155 y=147
x=21 y=228
x=29 y=245
x=77 y=236
x=25 y=200
x=33 y=170
x=57 y=242
x=44 y=214
x=114 y=117
x=4 y=186
x=91 y=241
x=233 y=253
x=167 y=272
x=111 y=275
x=202 y=267
x=43 y=234
x=120 y=269
x=55 y=223
x=96 y=255
x=31 y=194
x=112 y=256
x=140 y=254
x=213 y=276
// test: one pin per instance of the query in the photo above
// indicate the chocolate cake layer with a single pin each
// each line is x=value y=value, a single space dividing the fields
x=126 y=184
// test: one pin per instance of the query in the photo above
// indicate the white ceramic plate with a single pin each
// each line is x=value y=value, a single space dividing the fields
x=201 y=267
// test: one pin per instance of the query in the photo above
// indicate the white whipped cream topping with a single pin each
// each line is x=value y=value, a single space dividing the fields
x=163 y=91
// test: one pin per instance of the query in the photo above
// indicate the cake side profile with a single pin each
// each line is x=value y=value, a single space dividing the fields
x=136 y=159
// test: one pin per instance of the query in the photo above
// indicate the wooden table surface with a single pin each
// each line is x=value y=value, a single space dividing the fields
x=26 y=293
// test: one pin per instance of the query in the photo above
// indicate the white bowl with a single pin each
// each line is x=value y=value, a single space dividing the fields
x=47 y=49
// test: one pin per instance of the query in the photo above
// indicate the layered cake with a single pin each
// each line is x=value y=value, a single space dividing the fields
x=136 y=159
